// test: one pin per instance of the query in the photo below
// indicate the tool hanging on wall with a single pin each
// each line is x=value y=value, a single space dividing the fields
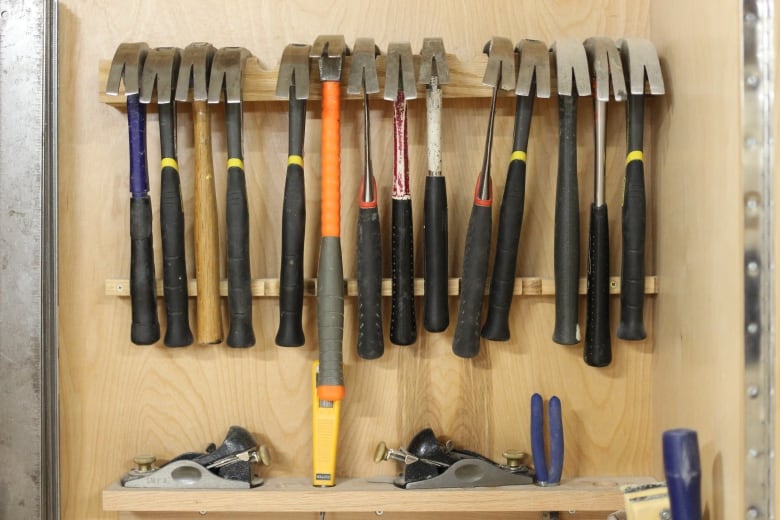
x=533 y=80
x=160 y=72
x=604 y=62
x=640 y=62
x=127 y=64
x=573 y=78
x=194 y=74
x=227 y=72
x=547 y=475
x=433 y=73
x=500 y=74
x=293 y=84
x=330 y=51
x=399 y=87
x=363 y=79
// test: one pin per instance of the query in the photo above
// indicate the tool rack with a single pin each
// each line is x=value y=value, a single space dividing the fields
x=118 y=399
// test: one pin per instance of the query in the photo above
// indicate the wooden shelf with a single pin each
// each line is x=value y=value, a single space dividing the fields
x=361 y=495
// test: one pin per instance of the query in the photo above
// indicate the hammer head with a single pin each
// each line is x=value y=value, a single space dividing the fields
x=571 y=66
x=330 y=49
x=227 y=70
x=362 y=73
x=161 y=69
x=194 y=71
x=433 y=62
x=641 y=61
x=604 y=61
x=294 y=71
x=534 y=66
x=127 y=63
x=399 y=71
x=500 y=70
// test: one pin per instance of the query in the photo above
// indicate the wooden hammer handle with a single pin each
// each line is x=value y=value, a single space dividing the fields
x=209 y=313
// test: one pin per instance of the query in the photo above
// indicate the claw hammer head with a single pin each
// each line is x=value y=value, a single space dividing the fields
x=604 y=62
x=433 y=62
x=399 y=71
x=160 y=71
x=294 y=71
x=362 y=73
x=641 y=61
x=128 y=63
x=330 y=49
x=534 y=68
x=500 y=70
x=227 y=70
x=571 y=66
x=194 y=71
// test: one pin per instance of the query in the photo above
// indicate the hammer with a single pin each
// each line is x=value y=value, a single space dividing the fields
x=293 y=84
x=363 y=79
x=500 y=73
x=400 y=86
x=533 y=80
x=226 y=74
x=194 y=71
x=604 y=61
x=641 y=61
x=571 y=65
x=127 y=63
x=160 y=71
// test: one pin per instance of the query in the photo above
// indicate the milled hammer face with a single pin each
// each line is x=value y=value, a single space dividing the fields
x=433 y=61
x=194 y=71
x=641 y=61
x=571 y=65
x=362 y=73
x=127 y=64
x=604 y=61
x=399 y=71
x=227 y=70
x=501 y=63
x=294 y=70
x=330 y=50
x=534 y=66
x=161 y=70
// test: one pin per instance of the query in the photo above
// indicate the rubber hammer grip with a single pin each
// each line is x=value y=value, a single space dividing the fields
x=369 y=272
x=598 y=350
x=403 y=330
x=632 y=282
x=240 y=333
x=436 y=310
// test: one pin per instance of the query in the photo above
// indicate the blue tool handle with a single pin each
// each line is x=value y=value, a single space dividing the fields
x=556 y=441
x=537 y=440
x=136 y=125
x=683 y=473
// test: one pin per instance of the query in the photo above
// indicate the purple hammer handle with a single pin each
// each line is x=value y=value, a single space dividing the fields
x=136 y=122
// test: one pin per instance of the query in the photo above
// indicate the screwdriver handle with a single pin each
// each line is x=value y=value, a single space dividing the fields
x=598 y=351
x=436 y=311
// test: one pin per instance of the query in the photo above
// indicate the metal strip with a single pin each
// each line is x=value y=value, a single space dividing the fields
x=759 y=276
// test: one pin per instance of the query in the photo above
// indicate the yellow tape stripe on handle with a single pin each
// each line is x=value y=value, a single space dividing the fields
x=235 y=163
x=518 y=155
x=167 y=162
x=295 y=159
x=636 y=155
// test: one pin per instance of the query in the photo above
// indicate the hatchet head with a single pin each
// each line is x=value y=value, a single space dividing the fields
x=500 y=70
x=161 y=70
x=433 y=62
x=604 y=61
x=127 y=64
x=330 y=49
x=534 y=68
x=642 y=62
x=571 y=67
x=294 y=71
x=362 y=73
x=399 y=71
x=227 y=71
x=194 y=71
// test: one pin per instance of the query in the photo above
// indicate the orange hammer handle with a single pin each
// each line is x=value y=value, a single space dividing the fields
x=331 y=158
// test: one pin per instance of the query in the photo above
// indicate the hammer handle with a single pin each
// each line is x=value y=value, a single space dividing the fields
x=436 y=315
x=598 y=350
x=209 y=314
x=369 y=272
x=682 y=468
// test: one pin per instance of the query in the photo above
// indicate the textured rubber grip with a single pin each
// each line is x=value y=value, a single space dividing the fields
x=567 y=227
x=136 y=126
x=598 y=351
x=632 y=280
x=240 y=333
x=403 y=329
x=331 y=159
x=502 y=284
x=465 y=342
x=537 y=439
x=145 y=328
x=370 y=343
x=290 y=333
x=556 y=440
x=682 y=466
x=330 y=314
x=436 y=310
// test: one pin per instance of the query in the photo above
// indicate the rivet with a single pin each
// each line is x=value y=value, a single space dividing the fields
x=753 y=453
x=752 y=512
x=752 y=81
x=752 y=328
x=753 y=391
x=750 y=142
x=752 y=268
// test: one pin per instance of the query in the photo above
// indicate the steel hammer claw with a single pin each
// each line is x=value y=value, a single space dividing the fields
x=194 y=71
x=227 y=70
x=362 y=73
x=604 y=62
x=127 y=64
x=571 y=65
x=500 y=70
x=294 y=70
x=330 y=49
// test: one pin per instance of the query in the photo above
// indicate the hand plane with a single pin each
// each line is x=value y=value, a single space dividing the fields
x=431 y=464
x=228 y=466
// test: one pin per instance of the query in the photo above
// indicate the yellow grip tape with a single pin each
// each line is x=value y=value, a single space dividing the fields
x=235 y=163
x=518 y=155
x=295 y=159
x=636 y=155
x=167 y=162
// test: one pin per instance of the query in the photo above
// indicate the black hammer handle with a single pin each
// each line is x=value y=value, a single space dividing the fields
x=403 y=330
x=567 y=227
x=598 y=351
x=290 y=332
x=436 y=305
x=240 y=333
x=632 y=282
x=369 y=272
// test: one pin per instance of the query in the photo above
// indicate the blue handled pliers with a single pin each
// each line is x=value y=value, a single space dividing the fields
x=547 y=475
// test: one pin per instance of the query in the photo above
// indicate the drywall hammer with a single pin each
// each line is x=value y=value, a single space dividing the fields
x=227 y=72
x=640 y=61
x=434 y=72
x=500 y=73
x=533 y=80
x=194 y=72
x=128 y=63
x=160 y=73
x=604 y=62
x=330 y=51
x=293 y=84
x=363 y=79
x=571 y=64
x=399 y=87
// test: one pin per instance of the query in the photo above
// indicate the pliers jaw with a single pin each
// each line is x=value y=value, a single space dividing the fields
x=547 y=475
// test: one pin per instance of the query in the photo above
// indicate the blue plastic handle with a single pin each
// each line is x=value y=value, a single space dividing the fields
x=136 y=123
x=537 y=439
x=556 y=440
x=682 y=467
